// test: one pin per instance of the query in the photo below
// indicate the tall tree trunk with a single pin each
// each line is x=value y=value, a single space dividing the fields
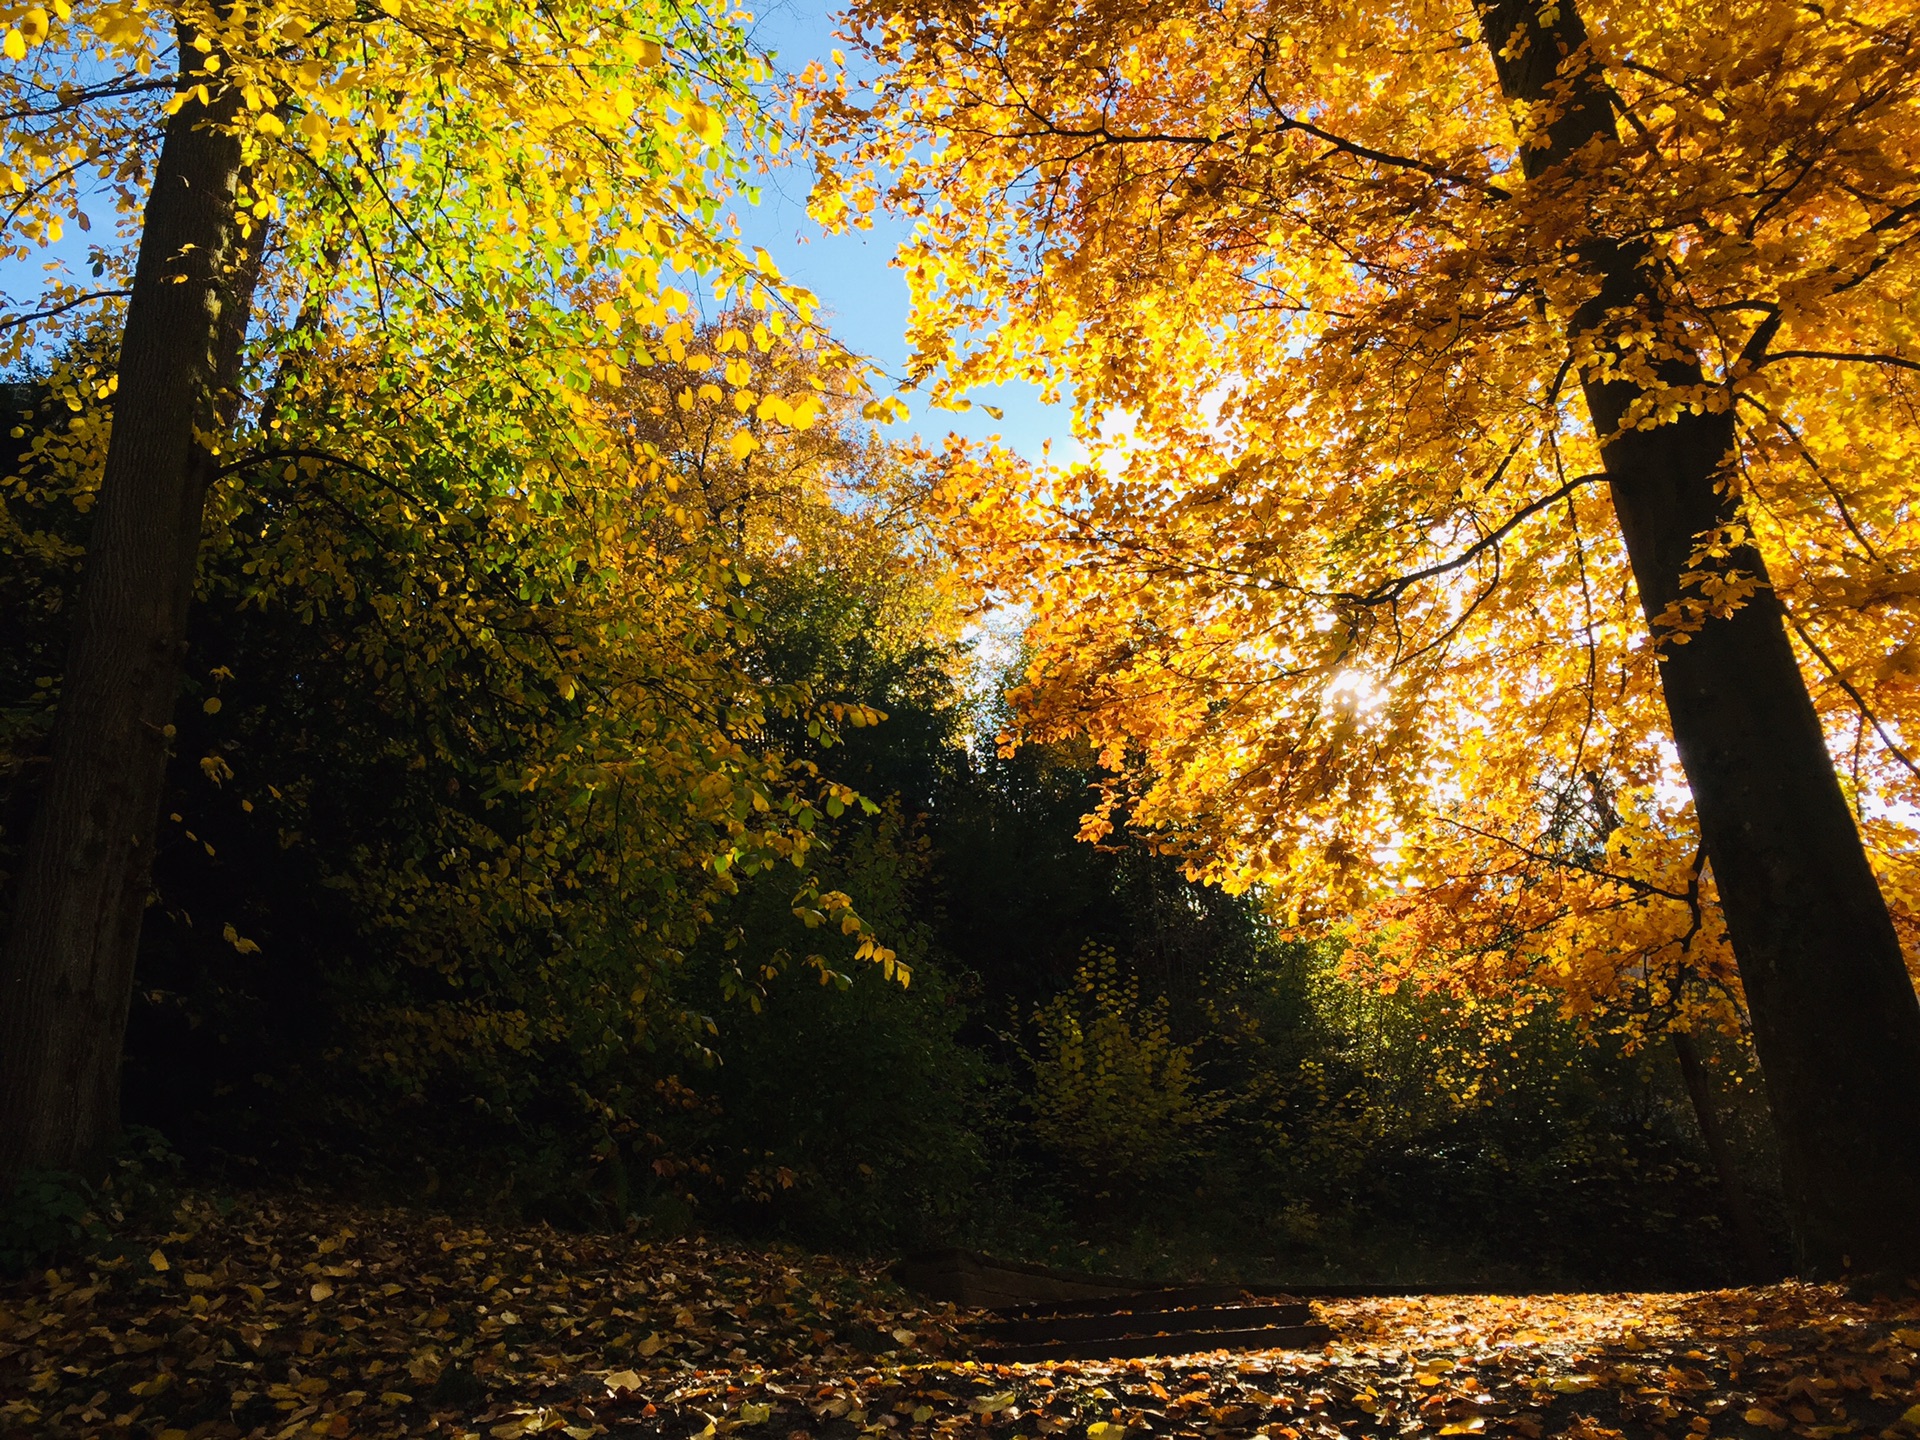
x=1835 y=1017
x=1756 y=1256
x=66 y=975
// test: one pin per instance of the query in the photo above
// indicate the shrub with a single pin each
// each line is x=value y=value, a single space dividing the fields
x=1112 y=1092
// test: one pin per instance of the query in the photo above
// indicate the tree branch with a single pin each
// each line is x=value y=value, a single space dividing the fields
x=1863 y=358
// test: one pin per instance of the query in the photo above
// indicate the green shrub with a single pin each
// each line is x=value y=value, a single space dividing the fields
x=46 y=1214
x=1112 y=1093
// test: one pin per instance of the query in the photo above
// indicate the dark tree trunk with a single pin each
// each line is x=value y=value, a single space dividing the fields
x=1756 y=1256
x=66 y=975
x=1835 y=1018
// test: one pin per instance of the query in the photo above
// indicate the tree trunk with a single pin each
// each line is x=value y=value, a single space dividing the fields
x=66 y=975
x=1835 y=1018
x=1756 y=1256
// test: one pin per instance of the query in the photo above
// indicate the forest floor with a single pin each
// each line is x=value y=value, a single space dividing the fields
x=283 y=1319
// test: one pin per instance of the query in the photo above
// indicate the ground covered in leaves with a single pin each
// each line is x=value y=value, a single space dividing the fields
x=285 y=1319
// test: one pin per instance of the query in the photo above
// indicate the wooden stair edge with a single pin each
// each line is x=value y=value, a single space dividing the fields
x=1143 y=1322
x=954 y=1258
x=1171 y=1297
x=1277 y=1337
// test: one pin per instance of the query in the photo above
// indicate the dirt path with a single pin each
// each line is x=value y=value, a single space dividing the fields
x=284 y=1320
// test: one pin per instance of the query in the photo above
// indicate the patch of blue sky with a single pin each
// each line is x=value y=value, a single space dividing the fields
x=863 y=296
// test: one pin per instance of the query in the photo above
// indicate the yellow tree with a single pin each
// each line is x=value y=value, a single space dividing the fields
x=1502 y=510
x=374 y=223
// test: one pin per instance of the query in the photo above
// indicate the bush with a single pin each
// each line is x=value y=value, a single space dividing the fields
x=1112 y=1093
x=50 y=1214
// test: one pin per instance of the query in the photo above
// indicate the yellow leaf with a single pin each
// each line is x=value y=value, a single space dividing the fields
x=321 y=1290
x=159 y=1262
x=211 y=705
x=753 y=1414
x=15 y=45
x=743 y=444
x=623 y=1380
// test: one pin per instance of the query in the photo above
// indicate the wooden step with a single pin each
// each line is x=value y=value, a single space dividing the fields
x=1260 y=1337
x=1159 y=1297
x=1143 y=1320
x=975 y=1280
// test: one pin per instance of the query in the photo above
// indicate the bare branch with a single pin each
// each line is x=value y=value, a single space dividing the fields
x=14 y=322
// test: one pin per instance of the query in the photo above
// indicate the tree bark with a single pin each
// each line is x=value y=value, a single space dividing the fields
x=1756 y=1256
x=1835 y=1017
x=66 y=975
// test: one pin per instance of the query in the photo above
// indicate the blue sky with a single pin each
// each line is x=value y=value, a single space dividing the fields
x=864 y=298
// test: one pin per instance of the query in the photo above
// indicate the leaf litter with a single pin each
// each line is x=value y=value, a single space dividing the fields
x=283 y=1318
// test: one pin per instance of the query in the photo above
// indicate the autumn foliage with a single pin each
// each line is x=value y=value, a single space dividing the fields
x=1383 y=330
x=1358 y=628
x=491 y=716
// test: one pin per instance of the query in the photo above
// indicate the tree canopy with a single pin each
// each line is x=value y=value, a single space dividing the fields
x=1341 y=595
x=479 y=663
